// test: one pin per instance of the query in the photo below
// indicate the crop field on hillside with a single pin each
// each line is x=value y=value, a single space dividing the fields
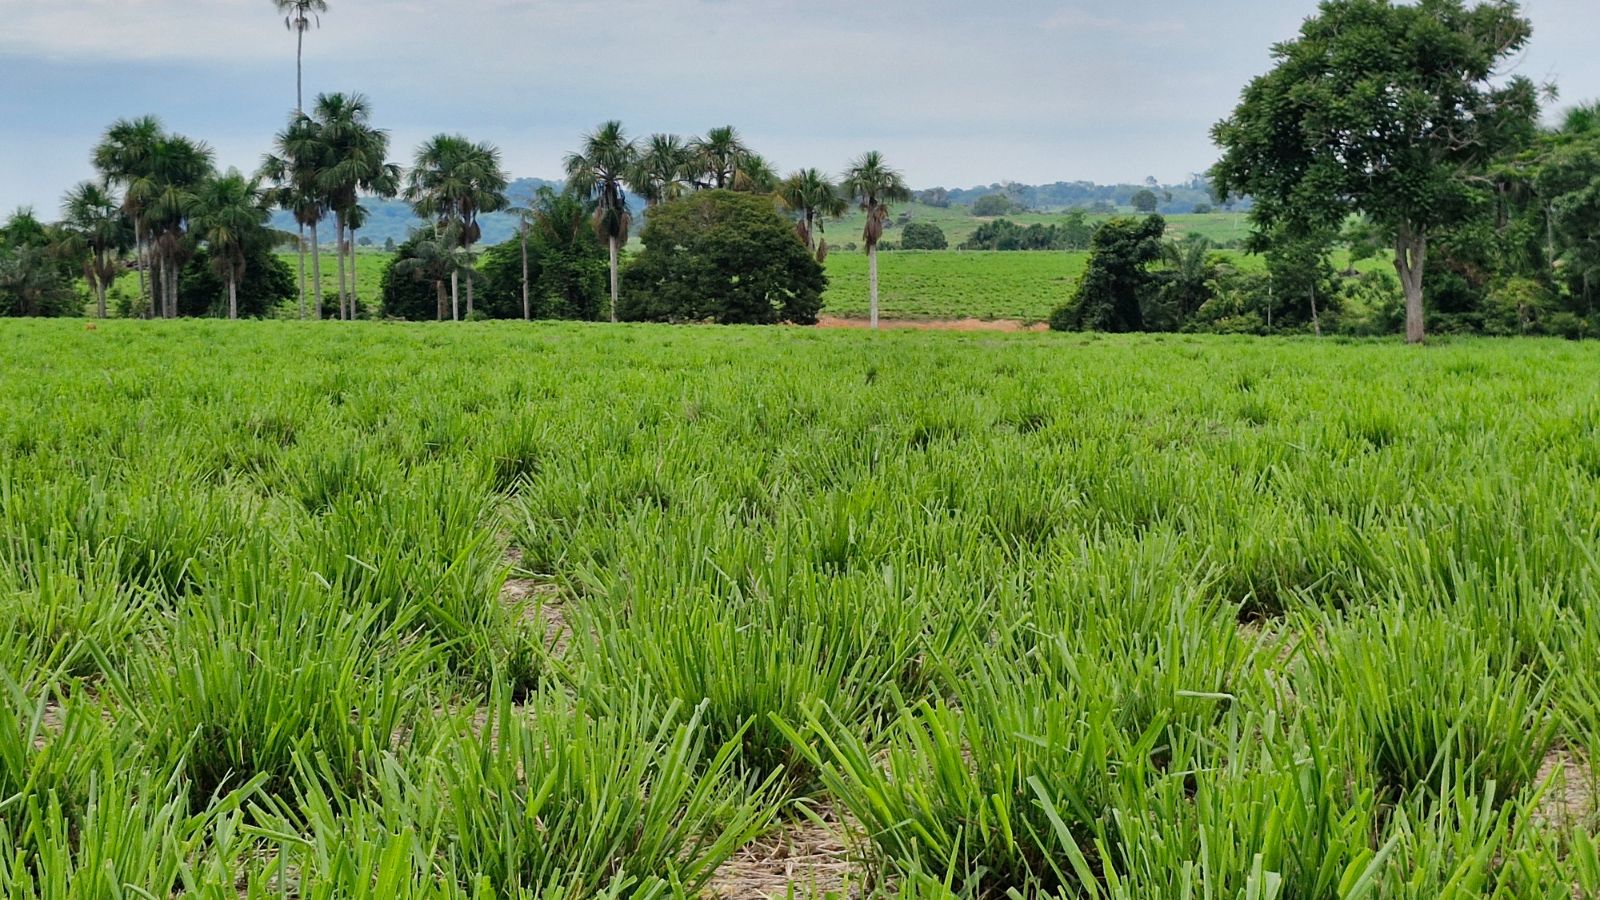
x=402 y=611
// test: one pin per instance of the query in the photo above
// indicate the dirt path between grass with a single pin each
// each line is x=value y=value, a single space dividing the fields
x=967 y=324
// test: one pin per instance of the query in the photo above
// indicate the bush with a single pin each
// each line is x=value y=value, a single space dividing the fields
x=923 y=236
x=267 y=281
x=723 y=256
x=994 y=205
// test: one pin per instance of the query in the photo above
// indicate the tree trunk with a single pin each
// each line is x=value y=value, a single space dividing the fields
x=470 y=307
x=527 y=310
x=1410 y=255
x=100 y=298
x=872 y=282
x=301 y=246
x=455 y=296
x=316 y=274
x=1316 y=323
x=170 y=301
x=299 y=67
x=613 y=279
x=438 y=287
x=338 y=247
x=233 y=296
x=140 y=260
x=354 y=309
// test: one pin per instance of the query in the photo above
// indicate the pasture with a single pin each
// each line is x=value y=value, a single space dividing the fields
x=507 y=610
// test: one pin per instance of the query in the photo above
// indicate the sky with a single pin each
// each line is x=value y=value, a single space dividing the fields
x=953 y=92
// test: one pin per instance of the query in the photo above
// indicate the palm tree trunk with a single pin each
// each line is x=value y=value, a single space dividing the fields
x=455 y=296
x=872 y=281
x=1316 y=323
x=301 y=246
x=438 y=287
x=139 y=260
x=299 y=68
x=339 y=255
x=233 y=296
x=352 y=273
x=527 y=311
x=100 y=297
x=316 y=274
x=613 y=279
x=469 y=293
x=172 y=288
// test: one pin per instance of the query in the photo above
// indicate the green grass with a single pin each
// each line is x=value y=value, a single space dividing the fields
x=1049 y=615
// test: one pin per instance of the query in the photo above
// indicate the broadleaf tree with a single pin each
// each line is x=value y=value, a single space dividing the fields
x=1385 y=109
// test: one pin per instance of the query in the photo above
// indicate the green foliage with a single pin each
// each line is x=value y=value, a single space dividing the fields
x=1073 y=233
x=266 y=282
x=722 y=256
x=1380 y=108
x=994 y=205
x=1144 y=201
x=1117 y=283
x=922 y=236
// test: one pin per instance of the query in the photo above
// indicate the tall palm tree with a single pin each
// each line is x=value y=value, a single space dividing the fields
x=100 y=233
x=123 y=159
x=178 y=167
x=453 y=182
x=872 y=184
x=299 y=17
x=598 y=171
x=812 y=198
x=663 y=170
x=717 y=156
x=295 y=170
x=354 y=162
x=230 y=215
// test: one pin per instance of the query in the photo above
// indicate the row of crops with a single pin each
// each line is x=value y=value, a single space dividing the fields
x=1027 y=615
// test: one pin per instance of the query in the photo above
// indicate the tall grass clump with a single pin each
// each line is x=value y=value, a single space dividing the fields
x=550 y=799
x=271 y=676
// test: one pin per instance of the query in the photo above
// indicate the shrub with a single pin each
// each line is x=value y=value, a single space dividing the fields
x=722 y=256
x=923 y=236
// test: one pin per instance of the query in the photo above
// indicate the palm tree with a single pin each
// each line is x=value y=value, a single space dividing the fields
x=755 y=175
x=178 y=167
x=872 y=184
x=299 y=17
x=100 y=234
x=453 y=182
x=1190 y=271
x=664 y=169
x=438 y=259
x=812 y=197
x=717 y=156
x=598 y=171
x=123 y=158
x=230 y=215
x=354 y=161
x=295 y=170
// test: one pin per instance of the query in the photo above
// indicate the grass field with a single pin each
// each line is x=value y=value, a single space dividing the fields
x=503 y=610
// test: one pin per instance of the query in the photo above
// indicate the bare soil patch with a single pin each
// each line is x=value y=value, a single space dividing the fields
x=1571 y=800
x=807 y=858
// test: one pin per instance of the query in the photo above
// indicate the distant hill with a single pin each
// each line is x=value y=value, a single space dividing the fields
x=394 y=219
x=1175 y=198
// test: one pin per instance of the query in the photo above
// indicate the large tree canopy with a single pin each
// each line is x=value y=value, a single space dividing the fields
x=725 y=256
x=1382 y=108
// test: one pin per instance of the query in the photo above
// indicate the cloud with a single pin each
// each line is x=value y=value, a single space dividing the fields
x=1077 y=20
x=954 y=92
